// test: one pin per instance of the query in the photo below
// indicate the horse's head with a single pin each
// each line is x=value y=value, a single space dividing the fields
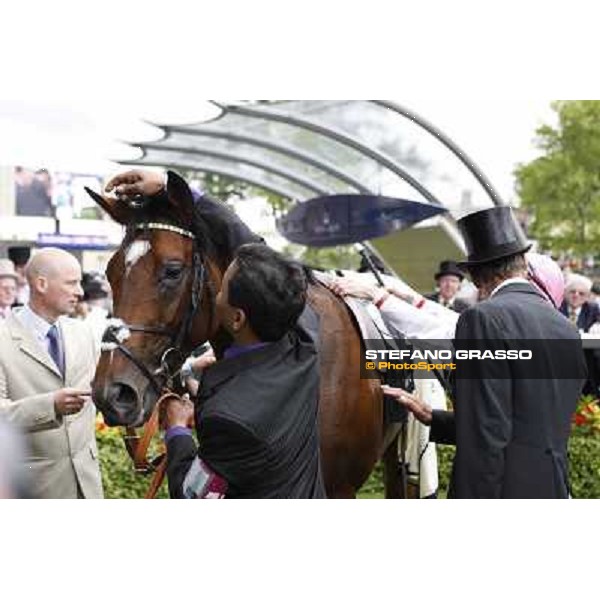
x=161 y=277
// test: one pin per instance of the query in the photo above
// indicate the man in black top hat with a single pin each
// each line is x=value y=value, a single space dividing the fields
x=448 y=280
x=511 y=422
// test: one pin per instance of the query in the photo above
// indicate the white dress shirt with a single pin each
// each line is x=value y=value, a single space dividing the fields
x=38 y=326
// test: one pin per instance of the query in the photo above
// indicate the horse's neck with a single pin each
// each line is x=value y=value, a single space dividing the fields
x=227 y=232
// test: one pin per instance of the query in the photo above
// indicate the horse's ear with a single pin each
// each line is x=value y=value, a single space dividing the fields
x=180 y=197
x=117 y=209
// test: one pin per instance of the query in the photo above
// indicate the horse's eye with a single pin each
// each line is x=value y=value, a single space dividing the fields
x=173 y=271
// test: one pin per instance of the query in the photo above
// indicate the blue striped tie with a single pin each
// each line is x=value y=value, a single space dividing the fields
x=55 y=349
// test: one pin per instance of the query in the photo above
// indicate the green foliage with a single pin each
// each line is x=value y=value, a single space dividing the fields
x=584 y=468
x=118 y=475
x=225 y=189
x=336 y=257
x=445 y=456
x=562 y=187
x=373 y=488
x=584 y=465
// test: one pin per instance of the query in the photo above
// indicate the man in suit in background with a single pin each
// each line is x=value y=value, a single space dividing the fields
x=577 y=306
x=448 y=280
x=47 y=362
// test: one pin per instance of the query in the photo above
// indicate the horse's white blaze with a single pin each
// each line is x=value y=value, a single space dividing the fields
x=137 y=250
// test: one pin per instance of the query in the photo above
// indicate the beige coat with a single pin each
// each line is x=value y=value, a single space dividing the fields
x=62 y=451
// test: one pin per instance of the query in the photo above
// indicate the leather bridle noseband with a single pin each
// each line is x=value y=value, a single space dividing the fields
x=117 y=331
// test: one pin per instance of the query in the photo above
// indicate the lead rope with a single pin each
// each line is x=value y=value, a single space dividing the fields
x=137 y=447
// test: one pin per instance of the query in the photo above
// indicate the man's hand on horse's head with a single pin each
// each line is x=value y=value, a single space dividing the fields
x=136 y=182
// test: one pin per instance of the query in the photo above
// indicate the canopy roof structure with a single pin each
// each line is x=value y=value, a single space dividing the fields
x=301 y=149
x=305 y=148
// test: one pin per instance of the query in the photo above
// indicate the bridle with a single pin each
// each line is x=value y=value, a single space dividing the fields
x=118 y=332
x=163 y=379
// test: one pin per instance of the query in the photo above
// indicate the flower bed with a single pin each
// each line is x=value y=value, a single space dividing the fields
x=118 y=475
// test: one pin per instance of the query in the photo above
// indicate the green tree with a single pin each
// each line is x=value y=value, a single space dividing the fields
x=225 y=189
x=335 y=257
x=561 y=188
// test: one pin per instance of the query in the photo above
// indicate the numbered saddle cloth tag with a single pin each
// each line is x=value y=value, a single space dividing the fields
x=201 y=483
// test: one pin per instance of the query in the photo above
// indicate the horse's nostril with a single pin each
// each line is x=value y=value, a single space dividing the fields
x=120 y=404
x=123 y=396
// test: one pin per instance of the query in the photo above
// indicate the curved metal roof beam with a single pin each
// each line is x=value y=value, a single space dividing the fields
x=284 y=174
x=338 y=136
x=250 y=180
x=260 y=142
x=444 y=139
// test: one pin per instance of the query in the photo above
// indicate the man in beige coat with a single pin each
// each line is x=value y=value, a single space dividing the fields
x=47 y=362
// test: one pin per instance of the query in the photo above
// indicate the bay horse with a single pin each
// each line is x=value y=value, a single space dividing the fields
x=164 y=278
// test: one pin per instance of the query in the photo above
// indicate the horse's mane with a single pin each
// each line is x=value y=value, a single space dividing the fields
x=222 y=229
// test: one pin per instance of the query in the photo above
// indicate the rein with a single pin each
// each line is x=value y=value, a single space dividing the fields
x=137 y=447
x=114 y=338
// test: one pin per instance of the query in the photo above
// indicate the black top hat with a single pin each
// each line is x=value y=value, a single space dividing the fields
x=449 y=267
x=19 y=255
x=492 y=234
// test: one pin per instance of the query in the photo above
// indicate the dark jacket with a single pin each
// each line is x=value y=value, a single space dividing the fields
x=588 y=315
x=257 y=426
x=511 y=430
x=457 y=305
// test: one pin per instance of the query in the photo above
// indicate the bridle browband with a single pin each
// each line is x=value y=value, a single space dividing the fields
x=117 y=331
x=164 y=227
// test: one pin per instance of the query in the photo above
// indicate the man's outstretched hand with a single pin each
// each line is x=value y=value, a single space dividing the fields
x=136 y=182
x=420 y=409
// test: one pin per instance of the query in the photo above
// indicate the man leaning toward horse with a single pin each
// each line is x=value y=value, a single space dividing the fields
x=256 y=409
